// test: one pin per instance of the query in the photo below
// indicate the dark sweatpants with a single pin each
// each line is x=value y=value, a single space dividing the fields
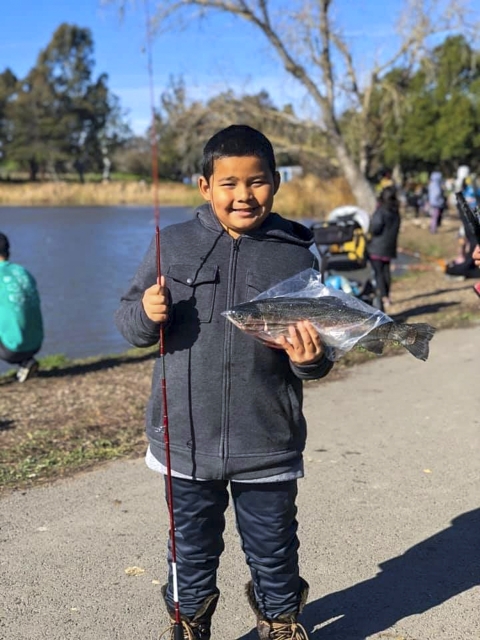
x=383 y=278
x=16 y=357
x=266 y=522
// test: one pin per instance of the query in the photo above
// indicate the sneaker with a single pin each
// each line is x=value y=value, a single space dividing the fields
x=27 y=370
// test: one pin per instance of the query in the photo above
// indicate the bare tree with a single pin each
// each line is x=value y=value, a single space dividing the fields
x=313 y=50
x=292 y=137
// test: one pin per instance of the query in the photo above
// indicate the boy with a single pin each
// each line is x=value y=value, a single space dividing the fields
x=235 y=405
x=21 y=324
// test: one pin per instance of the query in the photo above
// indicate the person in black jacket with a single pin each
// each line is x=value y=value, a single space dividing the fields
x=235 y=405
x=382 y=247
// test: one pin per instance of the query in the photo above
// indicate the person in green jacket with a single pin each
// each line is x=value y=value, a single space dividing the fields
x=21 y=323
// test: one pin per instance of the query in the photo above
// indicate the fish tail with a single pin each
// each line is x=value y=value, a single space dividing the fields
x=415 y=338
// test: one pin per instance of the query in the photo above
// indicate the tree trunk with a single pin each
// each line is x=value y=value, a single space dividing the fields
x=33 y=166
x=360 y=186
x=397 y=174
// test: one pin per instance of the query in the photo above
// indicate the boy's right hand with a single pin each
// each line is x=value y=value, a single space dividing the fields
x=476 y=255
x=155 y=302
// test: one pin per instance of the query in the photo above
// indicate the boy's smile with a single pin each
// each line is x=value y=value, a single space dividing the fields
x=241 y=192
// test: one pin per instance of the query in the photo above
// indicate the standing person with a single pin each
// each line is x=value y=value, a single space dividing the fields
x=21 y=325
x=382 y=247
x=414 y=195
x=386 y=180
x=470 y=192
x=235 y=405
x=436 y=200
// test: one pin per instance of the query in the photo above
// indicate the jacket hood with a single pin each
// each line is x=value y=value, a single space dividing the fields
x=436 y=176
x=274 y=228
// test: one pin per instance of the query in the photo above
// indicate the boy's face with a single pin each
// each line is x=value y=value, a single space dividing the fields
x=241 y=191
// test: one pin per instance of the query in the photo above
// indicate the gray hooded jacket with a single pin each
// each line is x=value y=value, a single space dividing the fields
x=234 y=404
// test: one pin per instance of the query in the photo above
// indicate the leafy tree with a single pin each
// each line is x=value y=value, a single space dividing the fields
x=62 y=116
x=31 y=118
x=439 y=120
x=134 y=156
x=8 y=86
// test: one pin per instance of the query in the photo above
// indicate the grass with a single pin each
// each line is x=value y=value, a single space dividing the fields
x=415 y=238
x=42 y=455
x=76 y=414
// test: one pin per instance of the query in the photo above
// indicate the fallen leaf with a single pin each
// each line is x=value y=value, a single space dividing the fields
x=134 y=571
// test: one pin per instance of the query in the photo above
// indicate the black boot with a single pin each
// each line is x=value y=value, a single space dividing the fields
x=198 y=627
x=285 y=627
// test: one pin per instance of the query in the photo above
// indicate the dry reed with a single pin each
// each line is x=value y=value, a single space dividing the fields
x=96 y=194
x=311 y=197
x=307 y=197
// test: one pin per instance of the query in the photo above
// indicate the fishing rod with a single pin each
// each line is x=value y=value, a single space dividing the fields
x=177 y=625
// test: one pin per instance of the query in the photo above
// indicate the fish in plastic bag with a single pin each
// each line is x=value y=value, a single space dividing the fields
x=342 y=321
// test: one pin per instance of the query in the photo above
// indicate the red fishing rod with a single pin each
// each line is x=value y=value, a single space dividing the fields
x=177 y=626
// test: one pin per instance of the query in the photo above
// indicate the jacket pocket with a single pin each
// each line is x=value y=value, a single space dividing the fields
x=193 y=289
x=255 y=285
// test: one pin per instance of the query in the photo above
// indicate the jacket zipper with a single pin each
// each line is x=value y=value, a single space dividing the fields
x=232 y=273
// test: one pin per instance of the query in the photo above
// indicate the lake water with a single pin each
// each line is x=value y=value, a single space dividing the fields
x=82 y=259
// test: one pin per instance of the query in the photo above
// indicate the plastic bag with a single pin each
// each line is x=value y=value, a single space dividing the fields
x=341 y=320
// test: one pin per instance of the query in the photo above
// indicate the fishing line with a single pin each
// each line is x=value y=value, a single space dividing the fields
x=178 y=629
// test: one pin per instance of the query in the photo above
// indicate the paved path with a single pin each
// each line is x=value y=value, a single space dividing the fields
x=389 y=521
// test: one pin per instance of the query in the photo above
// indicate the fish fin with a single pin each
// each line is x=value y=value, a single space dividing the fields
x=374 y=346
x=423 y=334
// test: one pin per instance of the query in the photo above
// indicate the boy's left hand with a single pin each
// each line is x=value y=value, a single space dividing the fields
x=304 y=345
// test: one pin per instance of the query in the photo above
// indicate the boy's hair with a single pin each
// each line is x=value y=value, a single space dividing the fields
x=4 y=246
x=237 y=140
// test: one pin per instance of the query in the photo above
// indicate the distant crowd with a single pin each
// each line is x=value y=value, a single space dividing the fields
x=432 y=199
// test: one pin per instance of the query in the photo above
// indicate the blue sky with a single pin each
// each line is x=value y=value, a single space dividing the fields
x=218 y=54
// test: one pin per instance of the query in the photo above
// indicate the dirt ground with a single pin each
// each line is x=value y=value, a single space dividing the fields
x=74 y=417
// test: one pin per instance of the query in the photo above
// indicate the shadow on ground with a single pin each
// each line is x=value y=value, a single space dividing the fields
x=424 y=309
x=424 y=577
x=76 y=369
x=437 y=292
x=6 y=425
